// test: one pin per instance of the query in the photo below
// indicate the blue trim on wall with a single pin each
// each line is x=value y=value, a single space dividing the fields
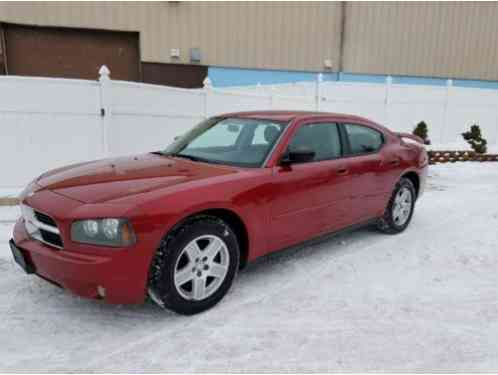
x=371 y=78
x=407 y=80
x=476 y=84
x=225 y=77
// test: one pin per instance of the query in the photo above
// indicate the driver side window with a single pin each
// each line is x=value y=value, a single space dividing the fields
x=322 y=138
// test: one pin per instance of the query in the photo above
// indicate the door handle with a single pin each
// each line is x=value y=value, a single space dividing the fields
x=342 y=171
x=394 y=162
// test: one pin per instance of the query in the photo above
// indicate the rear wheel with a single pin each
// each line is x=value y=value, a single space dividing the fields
x=194 y=266
x=399 y=210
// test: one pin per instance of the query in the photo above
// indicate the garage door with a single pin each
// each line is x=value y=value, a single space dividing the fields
x=71 y=53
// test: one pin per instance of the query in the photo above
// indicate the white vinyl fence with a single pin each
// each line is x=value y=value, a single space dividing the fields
x=46 y=122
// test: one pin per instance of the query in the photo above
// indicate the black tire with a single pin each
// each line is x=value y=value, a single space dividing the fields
x=387 y=223
x=162 y=289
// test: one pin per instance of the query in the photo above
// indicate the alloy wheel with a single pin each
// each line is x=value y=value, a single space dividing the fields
x=402 y=206
x=201 y=267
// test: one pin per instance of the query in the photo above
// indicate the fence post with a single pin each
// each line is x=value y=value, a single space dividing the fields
x=105 y=106
x=318 y=89
x=387 y=99
x=272 y=97
x=449 y=85
x=207 y=89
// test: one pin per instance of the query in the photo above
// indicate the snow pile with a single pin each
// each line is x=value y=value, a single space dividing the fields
x=8 y=214
x=426 y=299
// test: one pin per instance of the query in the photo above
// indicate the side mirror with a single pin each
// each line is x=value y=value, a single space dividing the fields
x=297 y=156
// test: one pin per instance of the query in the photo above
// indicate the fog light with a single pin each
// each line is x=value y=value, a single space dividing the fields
x=101 y=291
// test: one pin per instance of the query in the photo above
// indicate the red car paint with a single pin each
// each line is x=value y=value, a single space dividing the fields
x=278 y=205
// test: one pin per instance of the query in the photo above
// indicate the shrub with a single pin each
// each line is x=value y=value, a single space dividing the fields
x=422 y=132
x=475 y=140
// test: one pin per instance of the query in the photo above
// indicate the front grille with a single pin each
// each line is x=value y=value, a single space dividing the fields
x=51 y=238
x=41 y=227
x=45 y=219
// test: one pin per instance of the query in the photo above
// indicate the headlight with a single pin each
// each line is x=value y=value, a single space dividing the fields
x=104 y=232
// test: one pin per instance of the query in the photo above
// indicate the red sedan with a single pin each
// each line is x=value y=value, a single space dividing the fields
x=177 y=224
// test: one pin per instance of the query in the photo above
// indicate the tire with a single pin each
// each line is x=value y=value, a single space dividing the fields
x=397 y=215
x=183 y=277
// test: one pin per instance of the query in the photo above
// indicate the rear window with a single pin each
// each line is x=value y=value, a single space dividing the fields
x=362 y=139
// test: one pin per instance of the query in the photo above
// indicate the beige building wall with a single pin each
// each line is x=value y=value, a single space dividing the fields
x=450 y=39
x=446 y=39
x=293 y=35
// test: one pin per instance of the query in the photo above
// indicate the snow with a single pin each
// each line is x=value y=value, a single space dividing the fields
x=424 y=300
x=8 y=214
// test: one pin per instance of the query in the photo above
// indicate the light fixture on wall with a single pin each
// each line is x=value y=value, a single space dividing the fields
x=175 y=53
x=327 y=64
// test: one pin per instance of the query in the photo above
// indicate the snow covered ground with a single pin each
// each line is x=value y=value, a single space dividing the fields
x=426 y=299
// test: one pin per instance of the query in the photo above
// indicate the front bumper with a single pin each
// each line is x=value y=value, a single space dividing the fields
x=117 y=276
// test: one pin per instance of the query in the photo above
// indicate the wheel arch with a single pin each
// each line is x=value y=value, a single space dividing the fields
x=231 y=218
x=414 y=178
x=238 y=226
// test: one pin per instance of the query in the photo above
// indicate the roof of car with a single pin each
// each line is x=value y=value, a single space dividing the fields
x=291 y=115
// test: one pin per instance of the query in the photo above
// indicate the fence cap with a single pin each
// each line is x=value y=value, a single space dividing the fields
x=207 y=83
x=104 y=72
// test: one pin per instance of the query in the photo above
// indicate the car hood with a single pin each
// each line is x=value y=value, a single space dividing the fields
x=109 y=179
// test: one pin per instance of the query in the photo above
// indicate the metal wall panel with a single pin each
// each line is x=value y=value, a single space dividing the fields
x=286 y=35
x=450 y=39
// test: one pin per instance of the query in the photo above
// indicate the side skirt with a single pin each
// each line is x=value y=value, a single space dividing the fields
x=316 y=240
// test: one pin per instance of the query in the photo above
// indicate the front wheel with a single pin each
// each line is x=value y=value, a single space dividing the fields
x=194 y=266
x=399 y=210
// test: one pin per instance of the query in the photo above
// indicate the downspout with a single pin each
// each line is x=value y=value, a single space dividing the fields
x=3 y=49
x=341 y=37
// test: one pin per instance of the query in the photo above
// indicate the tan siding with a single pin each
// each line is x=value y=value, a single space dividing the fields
x=418 y=38
x=289 y=35
x=424 y=39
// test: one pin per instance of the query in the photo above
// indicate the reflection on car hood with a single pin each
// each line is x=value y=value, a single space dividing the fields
x=110 y=179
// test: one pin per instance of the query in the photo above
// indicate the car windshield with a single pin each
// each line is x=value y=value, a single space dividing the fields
x=231 y=141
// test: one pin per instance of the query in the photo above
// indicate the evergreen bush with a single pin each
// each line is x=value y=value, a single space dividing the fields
x=475 y=140
x=421 y=131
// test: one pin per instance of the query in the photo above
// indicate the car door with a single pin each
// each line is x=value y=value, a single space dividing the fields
x=312 y=197
x=363 y=150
